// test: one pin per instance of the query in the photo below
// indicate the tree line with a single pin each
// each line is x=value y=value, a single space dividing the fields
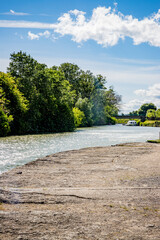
x=147 y=111
x=38 y=99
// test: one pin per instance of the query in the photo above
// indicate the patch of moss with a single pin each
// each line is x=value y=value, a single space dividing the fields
x=154 y=141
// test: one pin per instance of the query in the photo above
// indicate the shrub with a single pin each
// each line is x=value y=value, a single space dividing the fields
x=79 y=117
x=4 y=123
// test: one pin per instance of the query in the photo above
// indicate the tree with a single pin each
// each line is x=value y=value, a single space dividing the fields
x=56 y=101
x=72 y=74
x=143 y=110
x=134 y=113
x=158 y=114
x=53 y=93
x=48 y=93
x=4 y=123
x=98 y=107
x=83 y=82
x=112 y=101
x=86 y=107
x=13 y=104
x=23 y=67
x=86 y=85
x=151 y=114
x=79 y=117
x=92 y=90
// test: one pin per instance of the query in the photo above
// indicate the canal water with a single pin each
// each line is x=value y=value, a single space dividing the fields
x=18 y=150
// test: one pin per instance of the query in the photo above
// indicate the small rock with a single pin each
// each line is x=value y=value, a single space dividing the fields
x=151 y=225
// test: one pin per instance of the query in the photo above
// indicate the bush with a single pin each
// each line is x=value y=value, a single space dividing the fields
x=79 y=117
x=4 y=123
x=150 y=123
x=111 y=120
x=151 y=114
x=158 y=114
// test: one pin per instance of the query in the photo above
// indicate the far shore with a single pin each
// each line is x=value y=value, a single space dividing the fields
x=93 y=193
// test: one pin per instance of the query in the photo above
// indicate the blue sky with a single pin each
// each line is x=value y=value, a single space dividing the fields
x=118 y=39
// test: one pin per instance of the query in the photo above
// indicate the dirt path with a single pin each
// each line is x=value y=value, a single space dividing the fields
x=94 y=193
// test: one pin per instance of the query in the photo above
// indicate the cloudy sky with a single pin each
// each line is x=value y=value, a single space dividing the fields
x=118 y=39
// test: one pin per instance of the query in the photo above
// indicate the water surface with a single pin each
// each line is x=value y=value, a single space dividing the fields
x=18 y=150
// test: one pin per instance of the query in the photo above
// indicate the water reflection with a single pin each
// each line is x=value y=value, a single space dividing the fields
x=17 y=150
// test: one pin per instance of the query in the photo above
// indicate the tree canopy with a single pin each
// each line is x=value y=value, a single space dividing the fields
x=38 y=99
x=143 y=109
x=13 y=105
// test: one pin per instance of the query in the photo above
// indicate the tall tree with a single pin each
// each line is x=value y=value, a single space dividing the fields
x=72 y=74
x=49 y=94
x=143 y=110
x=13 y=104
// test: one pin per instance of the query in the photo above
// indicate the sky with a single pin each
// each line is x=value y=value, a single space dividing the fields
x=119 y=39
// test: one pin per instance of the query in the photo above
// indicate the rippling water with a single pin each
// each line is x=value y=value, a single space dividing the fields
x=17 y=150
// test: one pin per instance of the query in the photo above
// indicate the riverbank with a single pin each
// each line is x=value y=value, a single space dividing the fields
x=147 y=123
x=94 y=193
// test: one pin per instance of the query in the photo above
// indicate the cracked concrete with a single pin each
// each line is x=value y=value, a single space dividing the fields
x=94 y=193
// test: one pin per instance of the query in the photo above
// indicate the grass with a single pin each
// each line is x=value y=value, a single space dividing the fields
x=154 y=141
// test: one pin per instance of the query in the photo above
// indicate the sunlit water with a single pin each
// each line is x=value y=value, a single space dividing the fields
x=18 y=150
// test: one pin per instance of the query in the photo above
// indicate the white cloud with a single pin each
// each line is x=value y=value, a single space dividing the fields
x=46 y=34
x=11 y=12
x=151 y=95
x=105 y=26
x=131 y=105
x=140 y=92
x=33 y=36
x=135 y=104
x=25 y=24
x=153 y=91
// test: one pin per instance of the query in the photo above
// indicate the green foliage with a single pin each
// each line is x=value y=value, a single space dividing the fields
x=158 y=114
x=98 y=109
x=56 y=99
x=83 y=82
x=72 y=75
x=134 y=113
x=154 y=141
x=4 y=123
x=143 y=110
x=58 y=102
x=151 y=113
x=111 y=120
x=23 y=67
x=12 y=103
x=150 y=123
x=125 y=120
x=48 y=92
x=112 y=101
x=103 y=103
x=79 y=117
x=86 y=107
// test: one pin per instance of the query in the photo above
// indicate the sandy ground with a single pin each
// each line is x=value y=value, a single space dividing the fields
x=94 y=193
